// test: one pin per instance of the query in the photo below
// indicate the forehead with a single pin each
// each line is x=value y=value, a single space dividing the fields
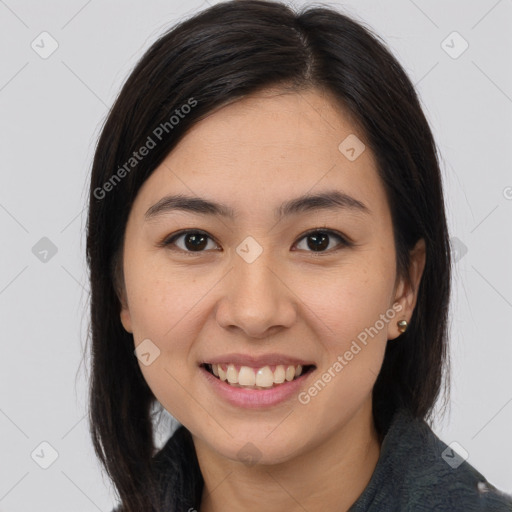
x=294 y=125
x=265 y=148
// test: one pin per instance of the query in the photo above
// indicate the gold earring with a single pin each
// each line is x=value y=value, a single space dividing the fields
x=402 y=325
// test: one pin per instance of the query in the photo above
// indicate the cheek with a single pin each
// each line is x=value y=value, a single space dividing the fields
x=161 y=301
x=158 y=307
x=352 y=316
x=351 y=311
x=164 y=314
x=350 y=300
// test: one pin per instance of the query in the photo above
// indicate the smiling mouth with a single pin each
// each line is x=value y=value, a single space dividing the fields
x=266 y=377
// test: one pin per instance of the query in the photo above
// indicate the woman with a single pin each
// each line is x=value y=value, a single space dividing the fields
x=269 y=262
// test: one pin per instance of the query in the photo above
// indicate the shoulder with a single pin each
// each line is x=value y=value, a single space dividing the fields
x=418 y=472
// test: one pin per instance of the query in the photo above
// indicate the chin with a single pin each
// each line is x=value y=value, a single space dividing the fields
x=254 y=447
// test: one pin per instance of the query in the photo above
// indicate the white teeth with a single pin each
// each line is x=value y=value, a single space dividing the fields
x=256 y=377
x=232 y=374
x=246 y=376
x=279 y=374
x=265 y=377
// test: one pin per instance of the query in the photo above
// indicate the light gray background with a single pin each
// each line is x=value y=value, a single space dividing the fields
x=51 y=111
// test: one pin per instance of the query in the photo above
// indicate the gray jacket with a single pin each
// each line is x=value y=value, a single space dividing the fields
x=417 y=472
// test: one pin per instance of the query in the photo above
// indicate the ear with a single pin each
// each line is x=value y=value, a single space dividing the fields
x=406 y=294
x=126 y=318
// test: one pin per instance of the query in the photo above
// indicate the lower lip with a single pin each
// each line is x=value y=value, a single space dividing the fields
x=255 y=398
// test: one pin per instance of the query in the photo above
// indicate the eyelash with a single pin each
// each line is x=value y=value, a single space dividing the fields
x=344 y=242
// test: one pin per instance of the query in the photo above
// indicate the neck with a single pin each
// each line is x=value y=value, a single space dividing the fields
x=330 y=476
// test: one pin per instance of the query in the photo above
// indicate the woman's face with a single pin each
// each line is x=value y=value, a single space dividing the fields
x=271 y=278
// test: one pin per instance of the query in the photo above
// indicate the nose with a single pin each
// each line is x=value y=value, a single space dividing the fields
x=256 y=299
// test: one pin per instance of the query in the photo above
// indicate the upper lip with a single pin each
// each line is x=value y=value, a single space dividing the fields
x=257 y=361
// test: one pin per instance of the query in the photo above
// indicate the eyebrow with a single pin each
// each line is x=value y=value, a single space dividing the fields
x=329 y=200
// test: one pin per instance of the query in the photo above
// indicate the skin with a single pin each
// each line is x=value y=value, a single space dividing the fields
x=253 y=155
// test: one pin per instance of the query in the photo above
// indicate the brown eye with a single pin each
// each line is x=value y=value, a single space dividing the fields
x=319 y=240
x=193 y=241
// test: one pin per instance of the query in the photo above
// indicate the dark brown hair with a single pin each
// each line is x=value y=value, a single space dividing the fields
x=218 y=56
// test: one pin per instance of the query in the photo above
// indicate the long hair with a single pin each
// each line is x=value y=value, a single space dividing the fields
x=216 y=57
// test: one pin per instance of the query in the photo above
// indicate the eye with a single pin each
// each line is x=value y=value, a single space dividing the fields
x=193 y=241
x=319 y=240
